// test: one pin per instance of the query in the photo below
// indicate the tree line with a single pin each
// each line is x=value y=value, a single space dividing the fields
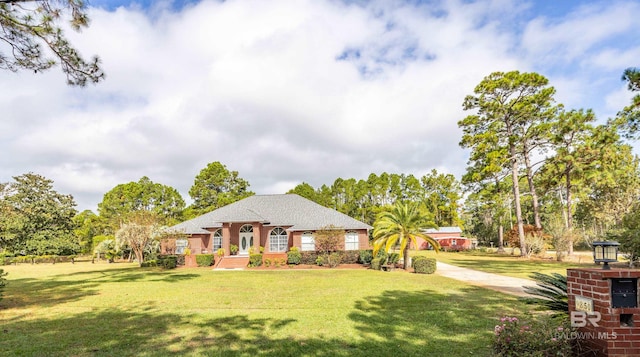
x=534 y=162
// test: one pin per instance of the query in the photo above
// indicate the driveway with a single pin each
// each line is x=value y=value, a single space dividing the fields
x=501 y=283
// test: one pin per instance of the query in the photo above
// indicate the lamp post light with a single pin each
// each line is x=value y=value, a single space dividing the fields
x=605 y=252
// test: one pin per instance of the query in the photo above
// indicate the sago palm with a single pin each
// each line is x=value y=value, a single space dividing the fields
x=550 y=292
x=401 y=225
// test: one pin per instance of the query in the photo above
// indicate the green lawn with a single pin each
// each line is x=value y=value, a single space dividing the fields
x=121 y=310
x=506 y=264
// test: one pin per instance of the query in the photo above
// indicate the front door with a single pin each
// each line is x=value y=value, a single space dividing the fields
x=246 y=240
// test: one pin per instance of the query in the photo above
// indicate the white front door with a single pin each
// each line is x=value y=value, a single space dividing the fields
x=246 y=241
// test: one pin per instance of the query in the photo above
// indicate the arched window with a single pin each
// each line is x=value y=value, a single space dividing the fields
x=278 y=240
x=217 y=240
x=247 y=228
x=351 y=241
x=307 y=242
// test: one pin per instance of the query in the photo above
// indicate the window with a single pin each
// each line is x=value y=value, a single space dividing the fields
x=308 y=243
x=278 y=240
x=351 y=241
x=181 y=245
x=217 y=240
x=454 y=242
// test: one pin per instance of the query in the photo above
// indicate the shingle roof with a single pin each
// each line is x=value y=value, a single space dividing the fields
x=273 y=210
x=443 y=230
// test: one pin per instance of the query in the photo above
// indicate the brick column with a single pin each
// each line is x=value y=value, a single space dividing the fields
x=617 y=333
x=226 y=238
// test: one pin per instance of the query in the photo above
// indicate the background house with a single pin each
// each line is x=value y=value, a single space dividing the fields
x=448 y=237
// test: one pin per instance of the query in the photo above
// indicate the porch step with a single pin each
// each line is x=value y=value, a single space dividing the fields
x=233 y=262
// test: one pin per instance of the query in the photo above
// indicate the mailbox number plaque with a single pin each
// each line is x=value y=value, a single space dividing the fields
x=584 y=304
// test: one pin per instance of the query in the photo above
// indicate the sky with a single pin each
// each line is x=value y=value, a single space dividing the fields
x=292 y=91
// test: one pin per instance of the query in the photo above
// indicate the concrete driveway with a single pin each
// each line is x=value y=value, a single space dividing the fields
x=501 y=283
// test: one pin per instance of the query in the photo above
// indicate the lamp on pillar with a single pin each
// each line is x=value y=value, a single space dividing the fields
x=605 y=252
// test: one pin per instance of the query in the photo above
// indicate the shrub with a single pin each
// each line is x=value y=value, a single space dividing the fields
x=204 y=260
x=376 y=263
x=149 y=263
x=383 y=257
x=425 y=266
x=221 y=252
x=334 y=259
x=3 y=282
x=393 y=258
x=365 y=256
x=255 y=260
x=180 y=259
x=233 y=249
x=294 y=256
x=543 y=337
x=321 y=260
x=416 y=258
x=308 y=258
x=169 y=261
x=552 y=290
x=279 y=262
x=350 y=256
x=267 y=262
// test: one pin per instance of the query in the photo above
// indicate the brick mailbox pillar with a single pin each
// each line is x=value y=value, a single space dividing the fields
x=603 y=306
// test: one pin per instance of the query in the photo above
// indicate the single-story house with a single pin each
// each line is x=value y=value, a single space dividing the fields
x=275 y=222
x=448 y=237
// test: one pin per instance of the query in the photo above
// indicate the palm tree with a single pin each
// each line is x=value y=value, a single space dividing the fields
x=401 y=225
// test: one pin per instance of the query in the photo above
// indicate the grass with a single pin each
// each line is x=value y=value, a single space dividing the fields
x=121 y=310
x=505 y=264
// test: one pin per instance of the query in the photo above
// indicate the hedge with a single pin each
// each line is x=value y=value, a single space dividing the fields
x=204 y=260
x=255 y=260
x=425 y=266
x=376 y=263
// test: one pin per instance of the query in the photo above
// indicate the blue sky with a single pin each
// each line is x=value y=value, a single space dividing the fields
x=287 y=91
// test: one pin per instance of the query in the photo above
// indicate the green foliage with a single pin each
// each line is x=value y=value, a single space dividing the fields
x=220 y=252
x=376 y=263
x=36 y=219
x=540 y=337
x=552 y=292
x=415 y=259
x=163 y=202
x=267 y=262
x=138 y=237
x=233 y=249
x=401 y=226
x=29 y=29
x=204 y=260
x=215 y=186
x=255 y=260
x=168 y=261
x=149 y=263
x=294 y=256
x=308 y=257
x=321 y=260
x=334 y=259
x=329 y=239
x=3 y=282
x=393 y=258
x=365 y=256
x=88 y=225
x=108 y=248
x=425 y=266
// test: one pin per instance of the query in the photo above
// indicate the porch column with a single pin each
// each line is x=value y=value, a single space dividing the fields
x=226 y=238
x=257 y=233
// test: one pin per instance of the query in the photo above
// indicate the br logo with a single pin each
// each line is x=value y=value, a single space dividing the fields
x=582 y=319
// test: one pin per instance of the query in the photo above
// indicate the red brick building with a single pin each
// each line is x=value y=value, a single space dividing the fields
x=275 y=222
x=448 y=237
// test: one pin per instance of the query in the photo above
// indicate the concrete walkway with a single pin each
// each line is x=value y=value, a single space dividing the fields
x=501 y=283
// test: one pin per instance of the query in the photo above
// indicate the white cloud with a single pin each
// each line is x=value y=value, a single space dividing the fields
x=281 y=91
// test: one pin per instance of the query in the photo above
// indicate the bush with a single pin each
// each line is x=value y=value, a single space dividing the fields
x=204 y=260
x=425 y=266
x=255 y=260
x=233 y=249
x=376 y=264
x=543 y=337
x=334 y=259
x=220 y=252
x=3 y=282
x=308 y=258
x=383 y=257
x=321 y=260
x=350 y=256
x=294 y=256
x=149 y=263
x=365 y=256
x=416 y=258
x=169 y=261
x=393 y=258
x=267 y=262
